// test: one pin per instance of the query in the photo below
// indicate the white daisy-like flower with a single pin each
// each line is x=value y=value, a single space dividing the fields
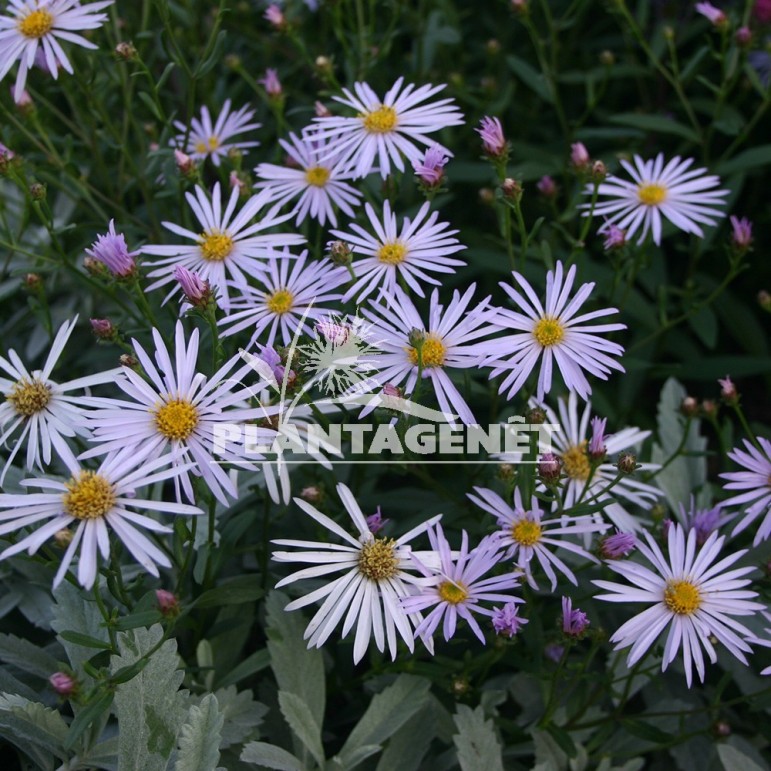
x=207 y=139
x=382 y=131
x=755 y=480
x=44 y=411
x=450 y=340
x=33 y=25
x=684 y=196
x=228 y=248
x=581 y=483
x=179 y=411
x=528 y=535
x=420 y=247
x=292 y=290
x=370 y=590
x=98 y=501
x=690 y=593
x=552 y=333
x=316 y=178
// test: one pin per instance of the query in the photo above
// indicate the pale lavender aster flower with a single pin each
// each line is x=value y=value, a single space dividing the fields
x=32 y=25
x=553 y=332
x=506 y=620
x=196 y=290
x=383 y=131
x=741 y=232
x=525 y=534
x=411 y=250
x=271 y=82
x=617 y=545
x=756 y=481
x=684 y=196
x=689 y=593
x=493 y=141
x=457 y=588
x=214 y=139
x=112 y=251
x=430 y=168
x=715 y=15
x=574 y=621
x=703 y=521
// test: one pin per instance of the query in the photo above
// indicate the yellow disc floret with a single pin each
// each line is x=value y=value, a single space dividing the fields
x=378 y=560
x=176 y=419
x=36 y=24
x=215 y=246
x=392 y=253
x=652 y=194
x=576 y=462
x=90 y=496
x=549 y=331
x=317 y=176
x=526 y=532
x=682 y=597
x=29 y=396
x=280 y=301
x=453 y=592
x=433 y=352
x=380 y=121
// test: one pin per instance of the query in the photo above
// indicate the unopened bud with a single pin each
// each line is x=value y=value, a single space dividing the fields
x=233 y=61
x=324 y=65
x=579 y=156
x=339 y=252
x=321 y=110
x=607 y=58
x=487 y=195
x=689 y=407
x=416 y=337
x=743 y=37
x=63 y=537
x=127 y=360
x=37 y=191
x=709 y=408
x=764 y=300
x=627 y=463
x=33 y=282
x=511 y=189
x=547 y=187
x=493 y=47
x=599 y=171
x=311 y=494
x=721 y=729
x=185 y=164
x=728 y=392
x=103 y=329
x=535 y=416
x=549 y=467
x=168 y=603
x=460 y=686
x=506 y=472
x=658 y=512
x=519 y=7
x=65 y=685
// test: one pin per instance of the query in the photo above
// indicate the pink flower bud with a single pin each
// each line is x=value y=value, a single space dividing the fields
x=65 y=685
x=579 y=156
x=493 y=140
x=168 y=603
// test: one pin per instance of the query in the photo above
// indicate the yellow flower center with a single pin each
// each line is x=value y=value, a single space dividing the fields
x=392 y=253
x=682 y=597
x=432 y=353
x=214 y=143
x=90 y=496
x=36 y=24
x=280 y=301
x=380 y=121
x=548 y=331
x=29 y=396
x=526 y=532
x=377 y=559
x=215 y=247
x=652 y=194
x=201 y=147
x=452 y=592
x=177 y=419
x=576 y=462
x=317 y=176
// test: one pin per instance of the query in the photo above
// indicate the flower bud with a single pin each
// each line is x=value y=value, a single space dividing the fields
x=519 y=7
x=627 y=463
x=197 y=291
x=186 y=166
x=275 y=16
x=33 y=282
x=549 y=467
x=743 y=37
x=741 y=234
x=487 y=196
x=416 y=337
x=511 y=189
x=324 y=66
x=493 y=47
x=65 y=685
x=506 y=472
x=535 y=416
x=321 y=110
x=168 y=603
x=127 y=360
x=709 y=408
x=764 y=300
x=63 y=537
x=103 y=329
x=579 y=156
x=375 y=522
x=615 y=238
x=574 y=622
x=6 y=156
x=126 y=51
x=37 y=191
x=618 y=545
x=272 y=84
x=599 y=171
x=728 y=392
x=311 y=494
x=339 y=252
x=493 y=141
x=547 y=187
x=607 y=58
x=689 y=407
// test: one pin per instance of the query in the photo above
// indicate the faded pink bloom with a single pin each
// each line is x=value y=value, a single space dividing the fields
x=546 y=186
x=493 y=141
x=741 y=232
x=617 y=545
x=728 y=390
x=275 y=16
x=430 y=170
x=506 y=620
x=574 y=622
x=196 y=290
x=615 y=238
x=271 y=82
x=111 y=250
x=236 y=182
x=715 y=15
x=597 y=449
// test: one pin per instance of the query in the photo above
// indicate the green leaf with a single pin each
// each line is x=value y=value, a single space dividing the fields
x=27 y=657
x=270 y=756
x=298 y=670
x=150 y=104
x=735 y=760
x=233 y=591
x=302 y=723
x=85 y=640
x=407 y=747
x=530 y=77
x=149 y=707
x=242 y=715
x=86 y=716
x=249 y=666
x=477 y=745
x=562 y=737
x=32 y=727
x=199 y=738
x=647 y=731
x=549 y=755
x=656 y=123
x=750 y=160
x=135 y=620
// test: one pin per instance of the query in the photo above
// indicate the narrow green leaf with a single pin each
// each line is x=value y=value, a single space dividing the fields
x=85 y=717
x=655 y=123
x=84 y=640
x=233 y=591
x=270 y=756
